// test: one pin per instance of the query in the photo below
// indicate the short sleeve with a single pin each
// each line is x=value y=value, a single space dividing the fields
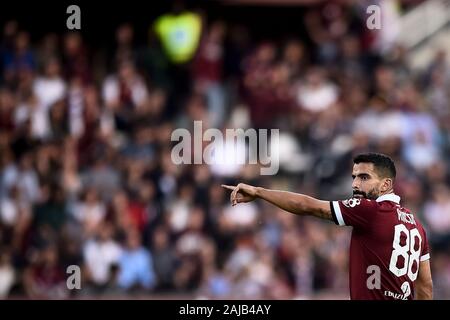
x=425 y=254
x=353 y=212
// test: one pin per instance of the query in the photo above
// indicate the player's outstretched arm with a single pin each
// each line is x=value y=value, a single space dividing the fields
x=424 y=282
x=292 y=202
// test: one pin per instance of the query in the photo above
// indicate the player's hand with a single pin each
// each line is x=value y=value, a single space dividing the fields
x=241 y=193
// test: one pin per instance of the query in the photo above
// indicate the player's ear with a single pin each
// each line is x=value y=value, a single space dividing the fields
x=387 y=184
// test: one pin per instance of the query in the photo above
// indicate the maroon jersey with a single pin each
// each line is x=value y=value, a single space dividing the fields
x=387 y=244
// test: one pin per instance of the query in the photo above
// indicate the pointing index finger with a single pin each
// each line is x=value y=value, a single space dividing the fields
x=228 y=187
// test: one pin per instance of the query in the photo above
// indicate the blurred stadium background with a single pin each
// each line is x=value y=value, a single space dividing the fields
x=86 y=176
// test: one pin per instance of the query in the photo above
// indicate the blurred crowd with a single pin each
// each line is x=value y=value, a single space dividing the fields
x=86 y=176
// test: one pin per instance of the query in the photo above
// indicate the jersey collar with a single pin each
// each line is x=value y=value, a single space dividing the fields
x=389 y=197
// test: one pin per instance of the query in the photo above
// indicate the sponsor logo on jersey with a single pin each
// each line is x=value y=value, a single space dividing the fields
x=406 y=289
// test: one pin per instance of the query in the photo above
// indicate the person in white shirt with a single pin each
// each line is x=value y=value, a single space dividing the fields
x=101 y=254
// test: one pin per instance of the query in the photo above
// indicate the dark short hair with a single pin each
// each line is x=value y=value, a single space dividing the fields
x=384 y=166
